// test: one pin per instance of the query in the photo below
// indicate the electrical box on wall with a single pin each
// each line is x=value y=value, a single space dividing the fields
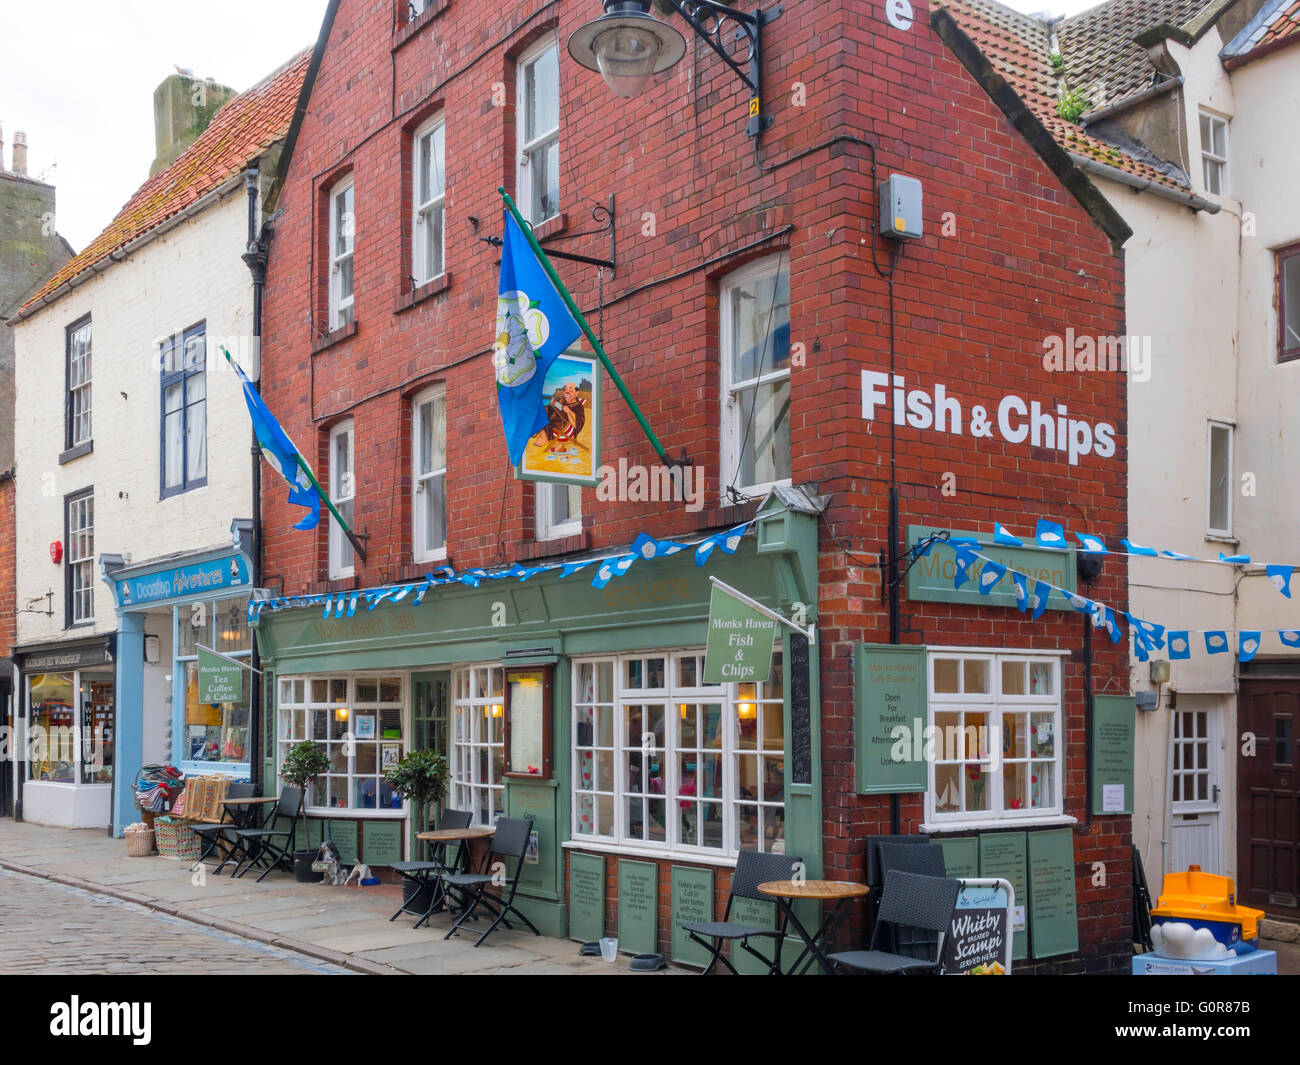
x=900 y=207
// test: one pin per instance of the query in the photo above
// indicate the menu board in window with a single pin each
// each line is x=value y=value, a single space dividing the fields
x=528 y=723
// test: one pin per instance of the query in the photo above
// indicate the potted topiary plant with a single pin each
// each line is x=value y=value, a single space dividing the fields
x=421 y=777
x=302 y=764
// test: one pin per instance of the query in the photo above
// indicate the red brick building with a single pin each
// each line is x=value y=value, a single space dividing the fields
x=748 y=276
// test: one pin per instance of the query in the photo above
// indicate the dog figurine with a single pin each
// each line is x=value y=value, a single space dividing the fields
x=361 y=872
x=327 y=862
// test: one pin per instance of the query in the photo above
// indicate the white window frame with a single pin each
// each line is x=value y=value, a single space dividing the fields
x=341 y=307
x=733 y=433
x=421 y=480
x=343 y=490
x=80 y=380
x=422 y=211
x=81 y=559
x=1230 y=429
x=1209 y=157
x=544 y=505
x=525 y=147
x=295 y=710
x=995 y=704
x=469 y=706
x=673 y=695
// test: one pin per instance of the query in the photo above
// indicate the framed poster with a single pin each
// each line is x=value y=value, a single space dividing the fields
x=567 y=450
x=389 y=755
x=365 y=726
x=528 y=722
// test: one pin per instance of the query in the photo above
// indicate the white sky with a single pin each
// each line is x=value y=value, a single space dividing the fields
x=78 y=77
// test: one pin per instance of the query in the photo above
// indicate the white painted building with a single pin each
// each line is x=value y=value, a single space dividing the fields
x=134 y=492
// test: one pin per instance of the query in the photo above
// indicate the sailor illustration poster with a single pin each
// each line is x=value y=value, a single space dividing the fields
x=567 y=448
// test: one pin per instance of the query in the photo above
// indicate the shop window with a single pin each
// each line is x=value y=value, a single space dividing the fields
x=1288 y=303
x=1214 y=153
x=342 y=239
x=1219 y=486
x=996 y=737
x=538 y=124
x=80 y=567
x=478 y=741
x=70 y=728
x=429 y=476
x=755 y=375
x=662 y=760
x=77 y=412
x=428 y=214
x=559 y=510
x=213 y=732
x=184 y=458
x=358 y=720
x=342 y=491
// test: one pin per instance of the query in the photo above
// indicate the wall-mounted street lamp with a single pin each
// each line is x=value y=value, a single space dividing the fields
x=627 y=45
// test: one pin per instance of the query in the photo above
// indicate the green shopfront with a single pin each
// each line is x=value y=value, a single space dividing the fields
x=584 y=708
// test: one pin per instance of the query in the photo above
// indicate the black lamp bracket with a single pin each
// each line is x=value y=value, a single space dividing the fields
x=711 y=20
x=599 y=213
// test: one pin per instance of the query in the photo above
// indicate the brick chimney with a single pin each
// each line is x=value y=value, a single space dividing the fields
x=20 y=153
x=183 y=105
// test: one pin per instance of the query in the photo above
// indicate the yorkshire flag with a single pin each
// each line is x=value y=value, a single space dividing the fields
x=278 y=450
x=533 y=327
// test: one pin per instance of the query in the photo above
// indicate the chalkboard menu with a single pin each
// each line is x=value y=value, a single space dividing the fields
x=889 y=707
x=1002 y=854
x=692 y=904
x=1053 y=909
x=800 y=710
x=1114 y=721
x=638 y=907
x=586 y=897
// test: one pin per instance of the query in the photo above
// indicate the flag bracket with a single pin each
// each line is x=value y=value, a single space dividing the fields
x=597 y=211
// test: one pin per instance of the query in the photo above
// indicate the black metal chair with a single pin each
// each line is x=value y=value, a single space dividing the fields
x=926 y=859
x=421 y=883
x=232 y=817
x=752 y=868
x=911 y=901
x=270 y=845
x=509 y=844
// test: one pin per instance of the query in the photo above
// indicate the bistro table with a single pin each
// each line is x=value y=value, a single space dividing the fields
x=463 y=837
x=787 y=892
x=228 y=808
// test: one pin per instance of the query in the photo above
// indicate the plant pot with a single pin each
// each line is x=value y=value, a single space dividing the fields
x=416 y=895
x=302 y=868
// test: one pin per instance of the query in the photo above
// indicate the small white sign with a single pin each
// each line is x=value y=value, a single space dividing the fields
x=1018 y=919
x=1112 y=798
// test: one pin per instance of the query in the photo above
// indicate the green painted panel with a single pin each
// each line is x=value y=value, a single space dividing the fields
x=638 y=907
x=1114 y=721
x=381 y=842
x=740 y=642
x=931 y=578
x=538 y=801
x=586 y=897
x=762 y=914
x=1004 y=854
x=692 y=903
x=1053 y=909
x=961 y=856
x=889 y=696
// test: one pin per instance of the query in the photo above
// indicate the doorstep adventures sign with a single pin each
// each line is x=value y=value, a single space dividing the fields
x=195 y=579
x=740 y=643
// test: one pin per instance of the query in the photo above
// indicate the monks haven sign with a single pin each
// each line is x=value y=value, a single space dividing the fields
x=931 y=578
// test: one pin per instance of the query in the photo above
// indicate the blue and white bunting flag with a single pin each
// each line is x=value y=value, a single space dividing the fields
x=963 y=562
x=573 y=567
x=1001 y=536
x=1151 y=632
x=1049 y=534
x=1290 y=637
x=1094 y=545
x=1134 y=548
x=1038 y=601
x=1236 y=560
x=1247 y=645
x=1216 y=643
x=1081 y=603
x=1019 y=583
x=648 y=547
x=990 y=575
x=611 y=568
x=1280 y=576
x=1180 y=646
x=1178 y=555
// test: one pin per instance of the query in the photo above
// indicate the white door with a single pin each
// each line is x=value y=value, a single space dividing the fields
x=1195 y=832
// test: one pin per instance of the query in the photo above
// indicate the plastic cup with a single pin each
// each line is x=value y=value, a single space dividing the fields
x=609 y=949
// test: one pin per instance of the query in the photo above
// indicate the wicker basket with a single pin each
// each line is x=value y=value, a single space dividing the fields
x=139 y=844
x=176 y=839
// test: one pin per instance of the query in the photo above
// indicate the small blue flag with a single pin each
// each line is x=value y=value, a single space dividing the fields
x=533 y=328
x=990 y=575
x=1049 y=534
x=573 y=567
x=648 y=547
x=1247 y=645
x=1178 y=555
x=1281 y=578
x=1290 y=637
x=610 y=568
x=1021 y=589
x=1134 y=548
x=1151 y=632
x=1081 y=603
x=1236 y=560
x=1094 y=545
x=1179 y=645
x=1111 y=625
x=965 y=558
x=280 y=453
x=1001 y=536
x=1042 y=592
x=1216 y=643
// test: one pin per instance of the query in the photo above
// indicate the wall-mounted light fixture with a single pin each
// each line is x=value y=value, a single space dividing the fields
x=627 y=45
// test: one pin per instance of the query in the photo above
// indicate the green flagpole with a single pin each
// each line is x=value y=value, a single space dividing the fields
x=586 y=329
x=302 y=464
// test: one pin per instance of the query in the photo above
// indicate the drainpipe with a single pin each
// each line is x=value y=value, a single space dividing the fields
x=255 y=259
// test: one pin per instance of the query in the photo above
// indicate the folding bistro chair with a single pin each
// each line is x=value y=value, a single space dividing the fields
x=214 y=835
x=752 y=868
x=268 y=844
x=509 y=844
x=922 y=905
x=925 y=859
x=425 y=876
